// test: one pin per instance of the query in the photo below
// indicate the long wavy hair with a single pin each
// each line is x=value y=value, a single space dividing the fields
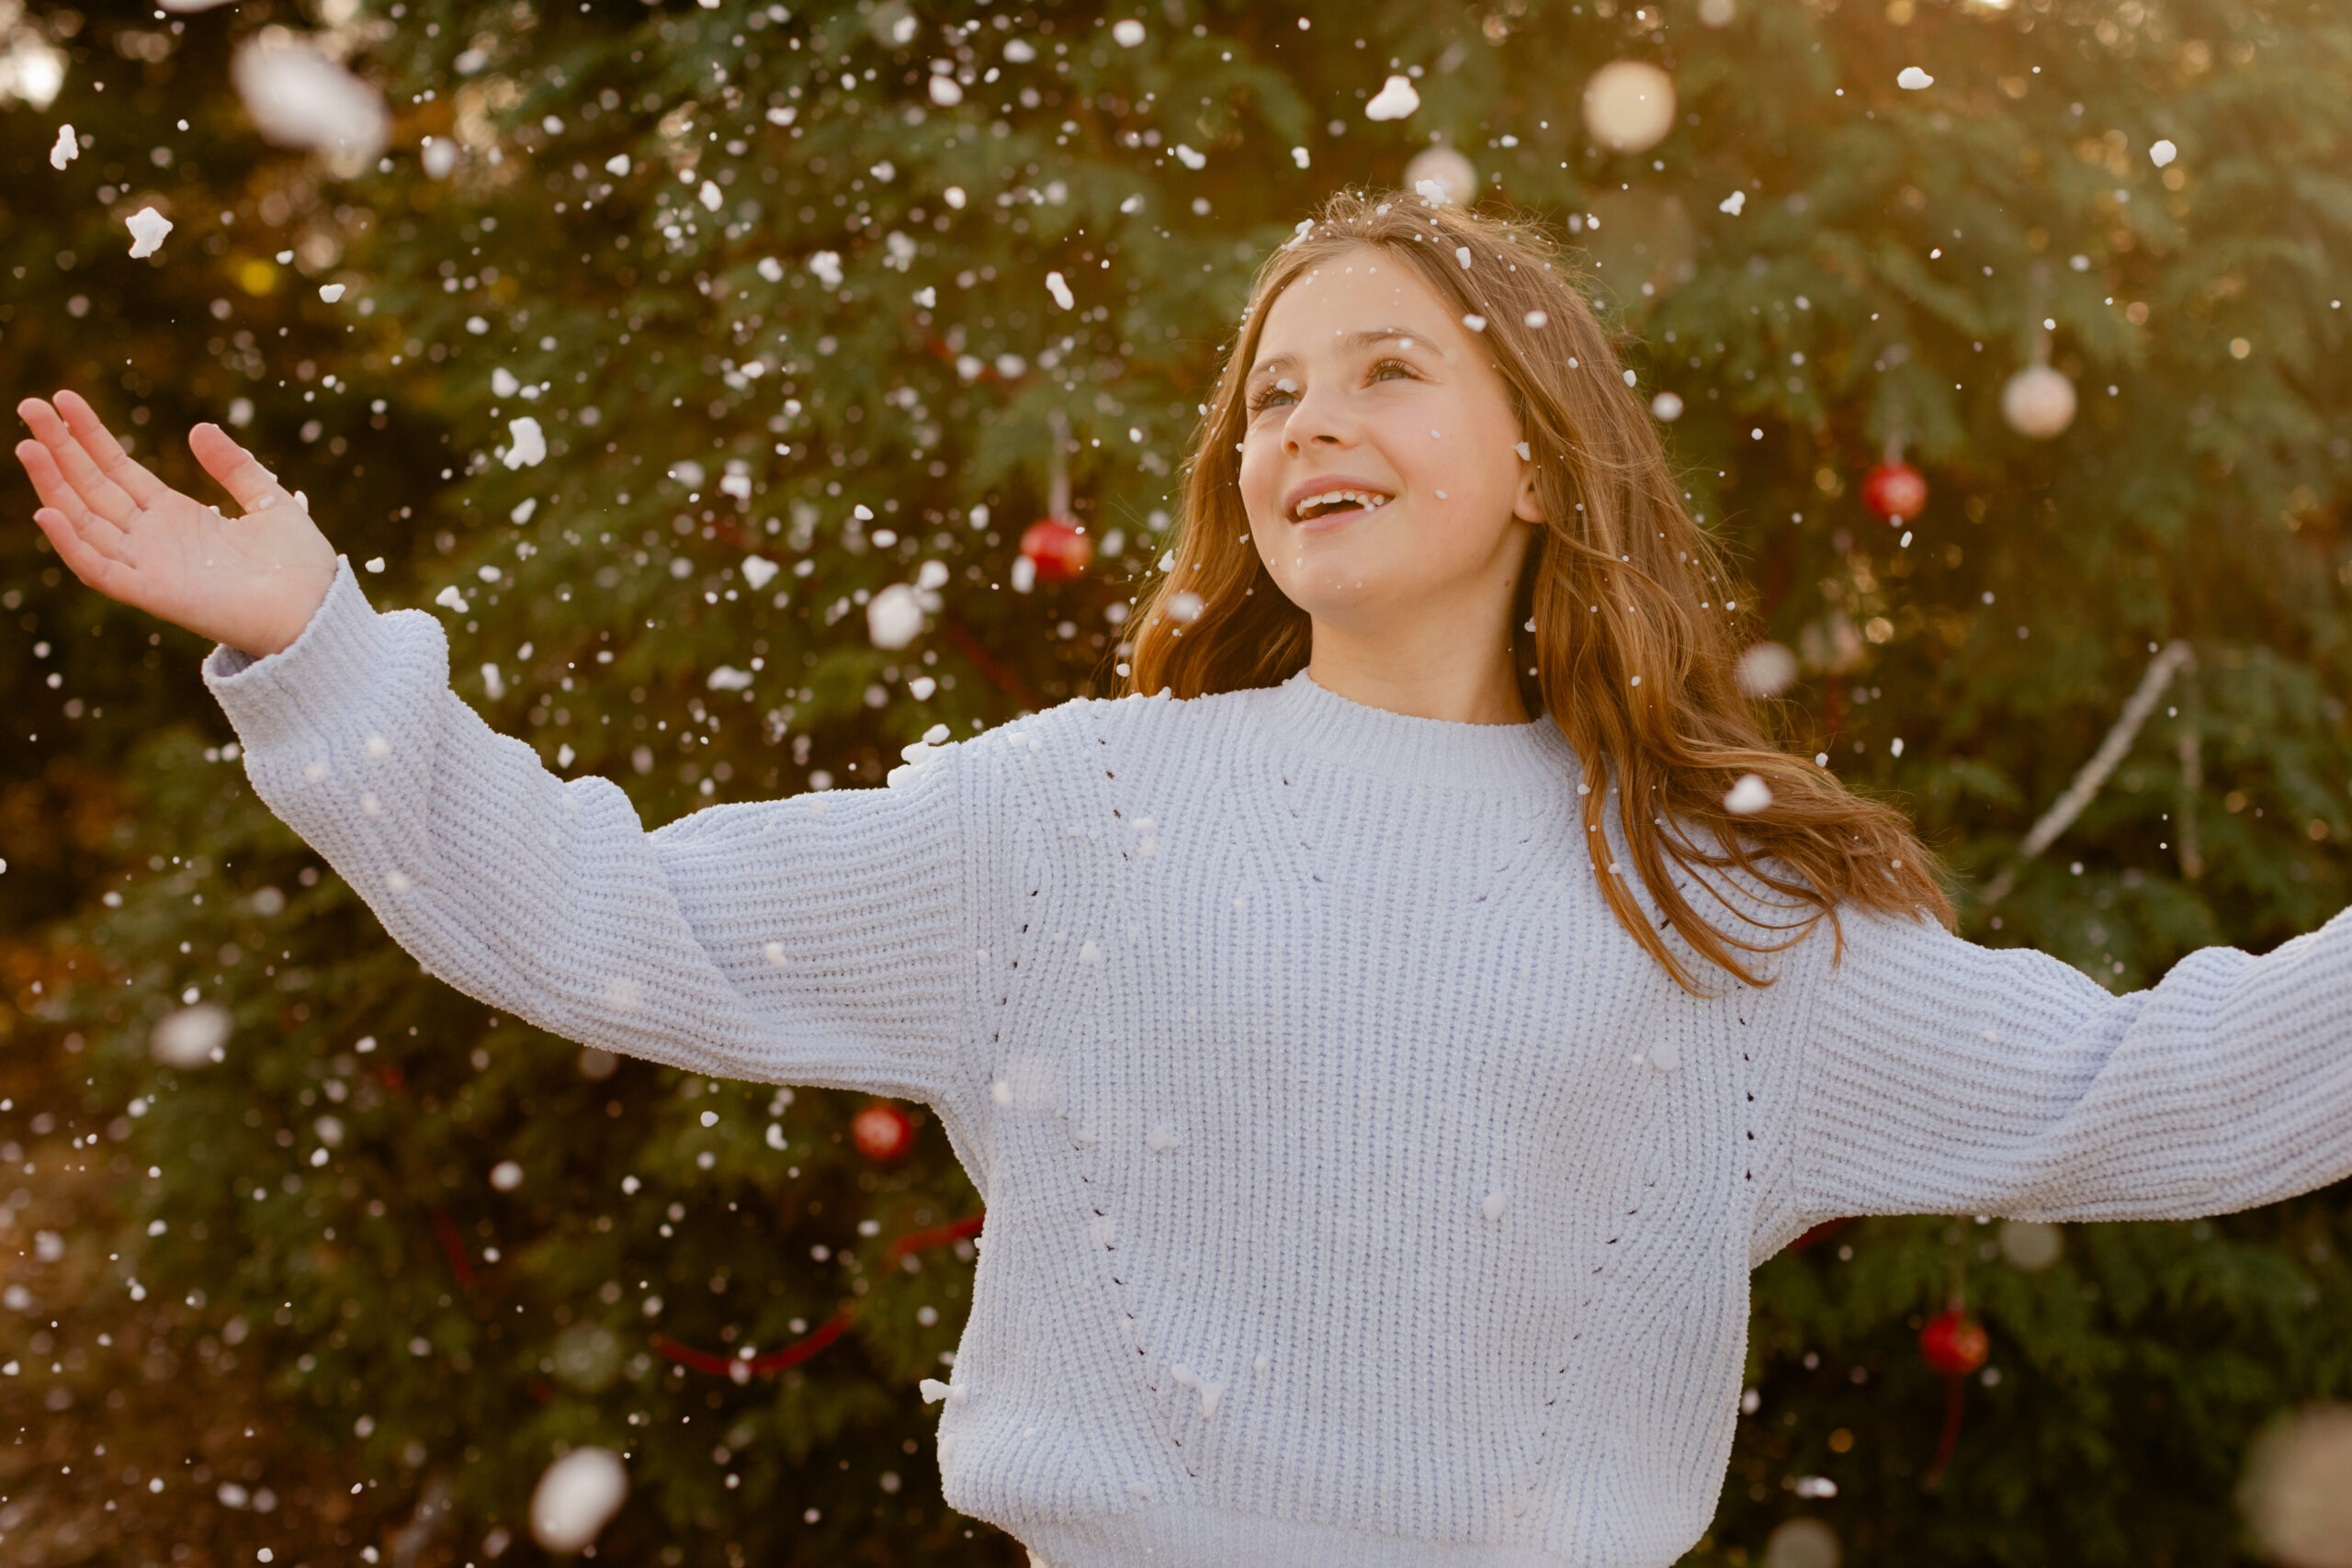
x=1621 y=583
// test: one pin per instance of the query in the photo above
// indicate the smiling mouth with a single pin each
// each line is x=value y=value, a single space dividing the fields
x=1336 y=506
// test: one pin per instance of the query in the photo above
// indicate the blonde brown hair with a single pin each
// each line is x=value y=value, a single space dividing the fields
x=1621 y=585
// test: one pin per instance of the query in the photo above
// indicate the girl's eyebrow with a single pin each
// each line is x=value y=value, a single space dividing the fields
x=1364 y=338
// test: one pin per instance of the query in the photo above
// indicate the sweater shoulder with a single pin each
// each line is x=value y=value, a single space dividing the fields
x=1077 y=734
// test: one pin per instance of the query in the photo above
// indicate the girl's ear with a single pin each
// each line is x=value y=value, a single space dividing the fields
x=1529 y=506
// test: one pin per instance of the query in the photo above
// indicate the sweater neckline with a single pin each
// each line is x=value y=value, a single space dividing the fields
x=1301 y=717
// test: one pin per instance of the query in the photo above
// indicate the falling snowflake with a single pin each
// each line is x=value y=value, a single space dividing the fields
x=1060 y=289
x=1395 y=100
x=69 y=147
x=1913 y=78
x=1733 y=203
x=1747 y=796
x=528 y=442
x=148 y=228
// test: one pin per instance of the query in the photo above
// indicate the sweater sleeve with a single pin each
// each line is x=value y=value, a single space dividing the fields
x=813 y=939
x=1940 y=1077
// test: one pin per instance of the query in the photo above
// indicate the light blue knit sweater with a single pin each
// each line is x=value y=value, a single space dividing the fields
x=1359 y=1192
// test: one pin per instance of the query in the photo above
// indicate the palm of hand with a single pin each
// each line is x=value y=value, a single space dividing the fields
x=251 y=581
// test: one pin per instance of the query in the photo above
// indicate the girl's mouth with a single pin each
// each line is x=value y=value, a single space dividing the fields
x=1337 y=509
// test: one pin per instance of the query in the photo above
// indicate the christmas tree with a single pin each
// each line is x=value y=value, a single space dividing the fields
x=706 y=368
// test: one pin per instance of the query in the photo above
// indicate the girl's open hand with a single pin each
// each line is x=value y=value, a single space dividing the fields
x=250 y=581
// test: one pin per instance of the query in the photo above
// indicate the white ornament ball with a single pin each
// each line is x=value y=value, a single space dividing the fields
x=2298 y=1488
x=1628 y=105
x=1449 y=168
x=2038 y=402
x=1801 y=1542
x=577 y=1498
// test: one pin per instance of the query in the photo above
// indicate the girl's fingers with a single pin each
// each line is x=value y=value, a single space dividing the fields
x=95 y=491
x=48 y=484
x=143 y=488
x=97 y=570
x=64 y=502
x=239 y=471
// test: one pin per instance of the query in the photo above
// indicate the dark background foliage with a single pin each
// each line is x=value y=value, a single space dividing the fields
x=278 y=1302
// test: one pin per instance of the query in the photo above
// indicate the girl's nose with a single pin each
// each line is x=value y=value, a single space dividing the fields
x=1317 y=417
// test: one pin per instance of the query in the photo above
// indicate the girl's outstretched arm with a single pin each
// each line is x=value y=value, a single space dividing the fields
x=1937 y=1077
x=817 y=940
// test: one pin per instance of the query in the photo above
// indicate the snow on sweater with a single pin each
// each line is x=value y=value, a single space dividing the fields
x=1359 y=1192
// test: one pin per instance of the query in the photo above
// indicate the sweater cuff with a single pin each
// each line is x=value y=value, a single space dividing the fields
x=331 y=667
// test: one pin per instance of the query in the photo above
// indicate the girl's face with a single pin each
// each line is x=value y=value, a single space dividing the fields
x=1366 y=381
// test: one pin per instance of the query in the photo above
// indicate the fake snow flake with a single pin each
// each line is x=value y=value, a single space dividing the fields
x=1733 y=203
x=528 y=444
x=1126 y=33
x=1190 y=158
x=1747 y=795
x=148 y=228
x=503 y=382
x=618 y=164
x=1059 y=288
x=771 y=269
x=710 y=195
x=827 y=264
x=1493 y=1204
x=894 y=617
x=1090 y=952
x=1537 y=319
x=1185 y=607
x=758 y=570
x=1667 y=406
x=190 y=1036
x=439 y=156
x=1912 y=78
x=449 y=598
x=726 y=678
x=1475 y=322
x=1185 y=1377
x=1299 y=155
x=577 y=1498
x=921 y=688
x=506 y=1175
x=1132 y=204
x=299 y=97
x=1161 y=1139
x=69 y=147
x=1462 y=255
x=1140 y=1490
x=1395 y=100
x=330 y=292
x=944 y=92
x=2161 y=154
x=933 y=1390
x=1525 y=456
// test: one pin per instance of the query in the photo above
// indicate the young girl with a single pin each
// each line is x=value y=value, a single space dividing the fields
x=1380 y=1094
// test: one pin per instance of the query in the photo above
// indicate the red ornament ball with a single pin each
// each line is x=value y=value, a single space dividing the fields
x=1058 y=547
x=1954 y=1344
x=1896 y=492
x=882 y=1132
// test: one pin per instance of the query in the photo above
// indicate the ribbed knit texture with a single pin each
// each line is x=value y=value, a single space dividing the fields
x=1360 y=1194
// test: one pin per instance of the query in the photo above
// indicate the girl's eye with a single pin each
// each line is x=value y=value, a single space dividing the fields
x=1266 y=396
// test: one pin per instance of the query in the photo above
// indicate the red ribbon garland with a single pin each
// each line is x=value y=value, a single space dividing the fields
x=741 y=1369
